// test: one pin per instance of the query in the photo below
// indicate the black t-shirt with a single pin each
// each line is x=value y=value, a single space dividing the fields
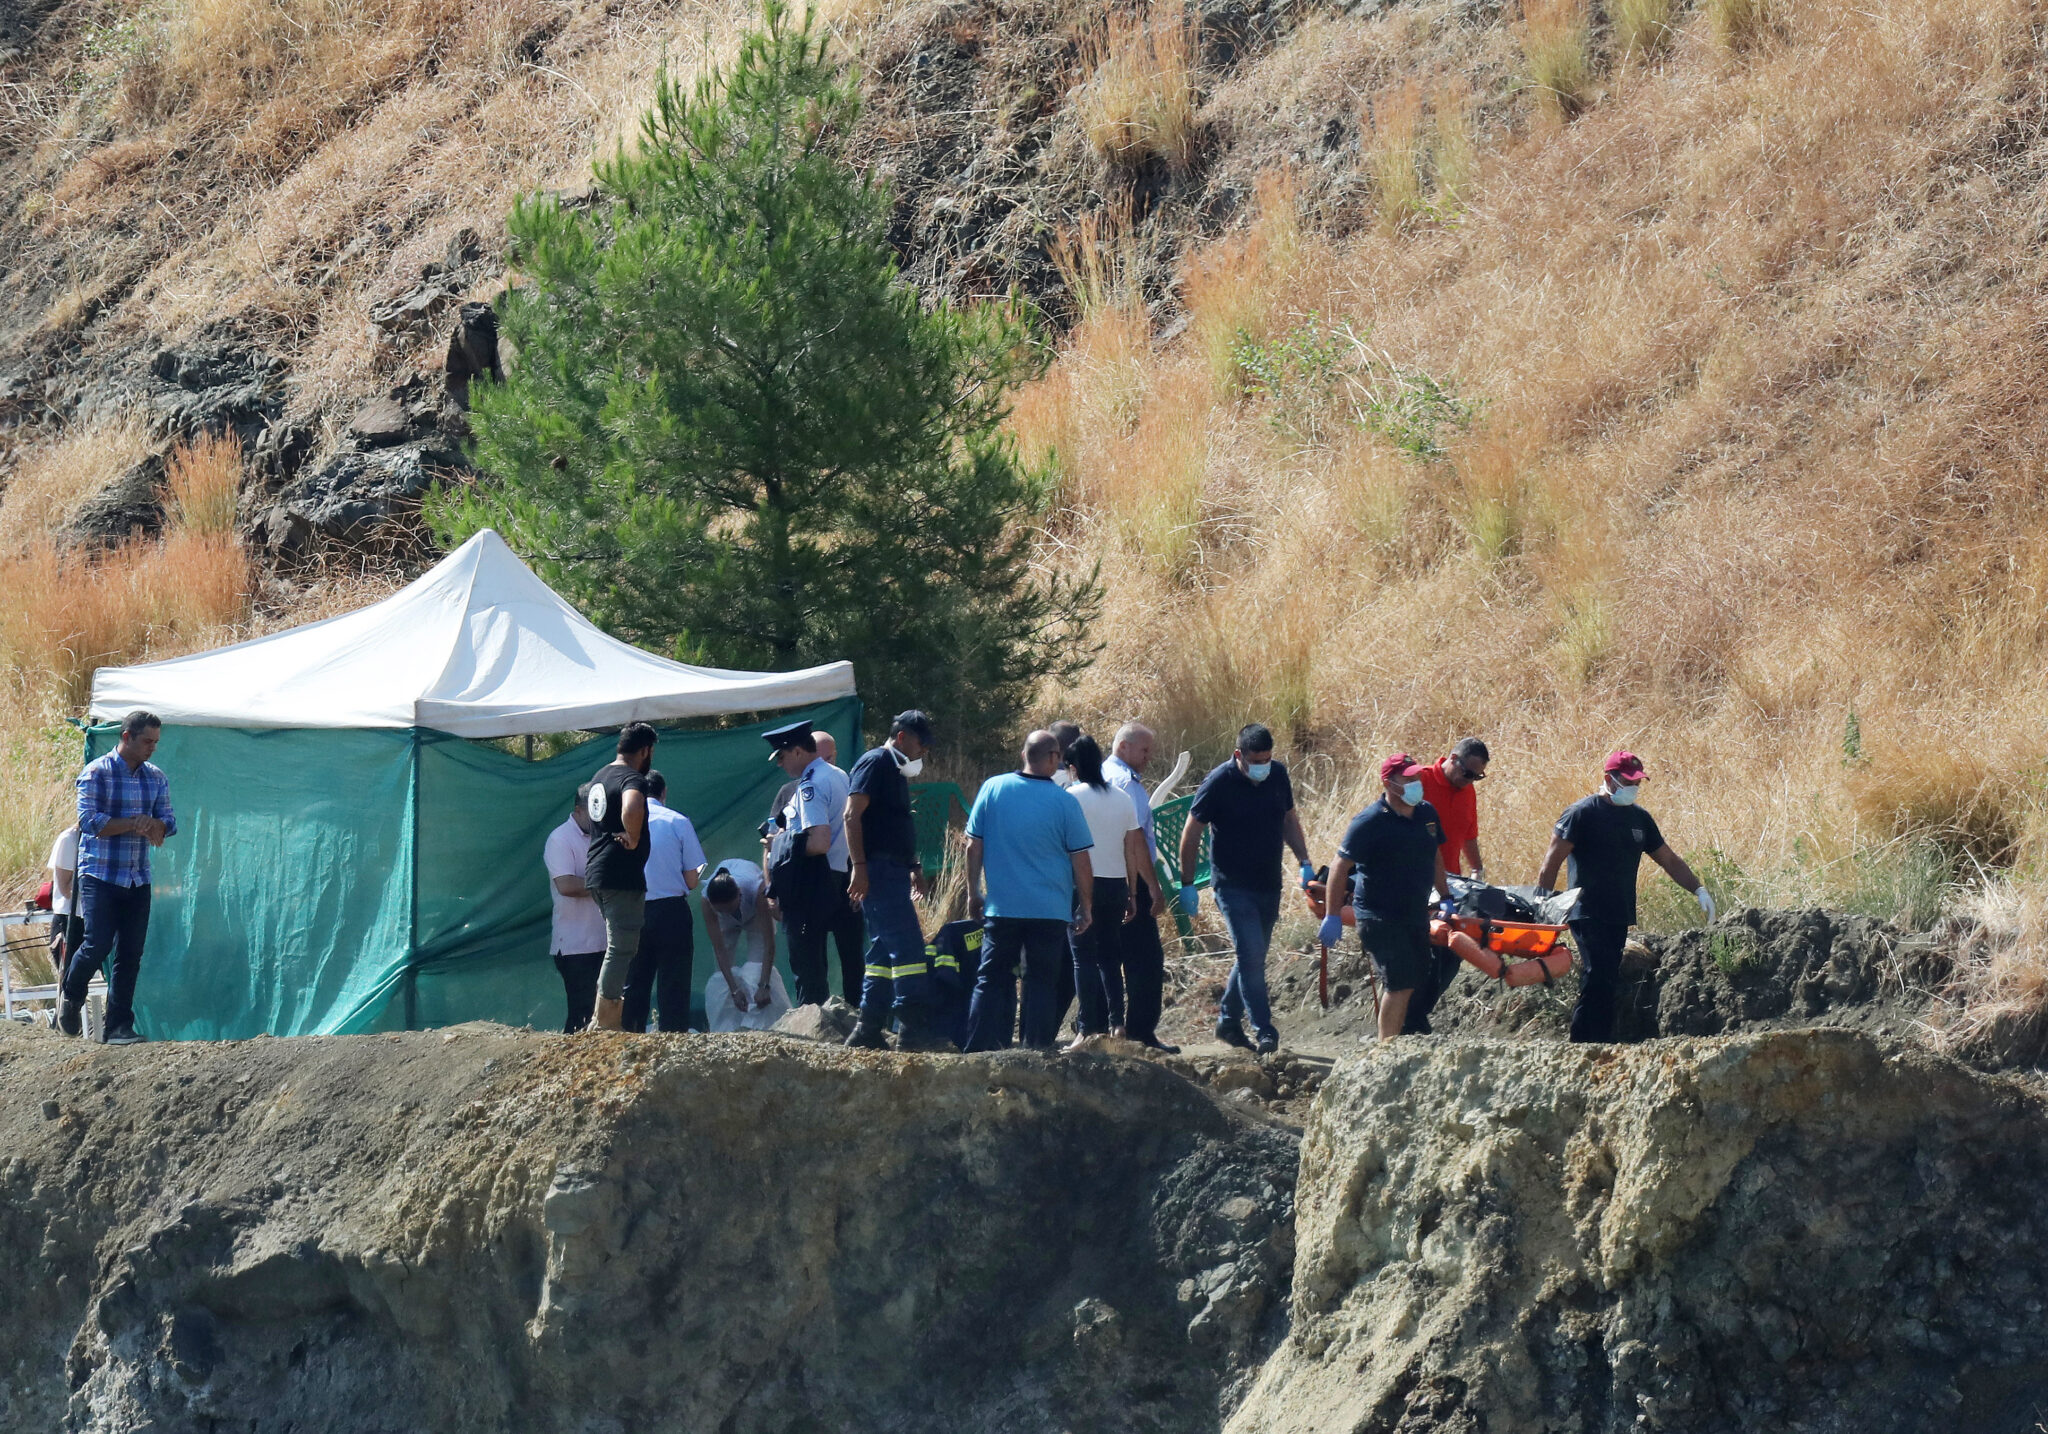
x=1245 y=819
x=613 y=867
x=886 y=827
x=1608 y=845
x=1396 y=860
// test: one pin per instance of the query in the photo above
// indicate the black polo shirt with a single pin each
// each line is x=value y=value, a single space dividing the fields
x=1608 y=845
x=1245 y=819
x=613 y=866
x=886 y=827
x=1396 y=860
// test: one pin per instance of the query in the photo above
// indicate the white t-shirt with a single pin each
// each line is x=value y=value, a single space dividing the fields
x=1110 y=815
x=579 y=925
x=672 y=849
x=64 y=857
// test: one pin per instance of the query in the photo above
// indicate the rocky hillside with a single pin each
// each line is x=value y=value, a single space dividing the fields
x=485 y=1229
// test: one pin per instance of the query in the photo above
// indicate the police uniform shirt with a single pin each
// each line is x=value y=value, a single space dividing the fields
x=820 y=801
x=612 y=865
x=1396 y=860
x=1609 y=843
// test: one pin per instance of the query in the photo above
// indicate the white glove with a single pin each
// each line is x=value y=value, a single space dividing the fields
x=1706 y=904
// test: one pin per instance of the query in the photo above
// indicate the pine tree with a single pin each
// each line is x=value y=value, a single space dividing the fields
x=732 y=432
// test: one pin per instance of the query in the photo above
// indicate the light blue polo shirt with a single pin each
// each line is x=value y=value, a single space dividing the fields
x=1030 y=829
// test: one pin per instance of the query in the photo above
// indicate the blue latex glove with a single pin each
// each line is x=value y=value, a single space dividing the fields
x=1331 y=932
x=1308 y=874
x=1190 y=900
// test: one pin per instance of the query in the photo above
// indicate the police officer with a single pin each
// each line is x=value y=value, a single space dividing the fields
x=805 y=885
x=882 y=841
x=1393 y=846
x=1605 y=837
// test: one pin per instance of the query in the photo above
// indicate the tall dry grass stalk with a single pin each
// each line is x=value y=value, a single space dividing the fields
x=1642 y=28
x=1453 y=146
x=52 y=482
x=1139 y=101
x=1736 y=24
x=1993 y=1009
x=1557 y=48
x=201 y=481
x=1394 y=154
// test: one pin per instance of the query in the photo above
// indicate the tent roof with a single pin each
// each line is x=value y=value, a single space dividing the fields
x=477 y=647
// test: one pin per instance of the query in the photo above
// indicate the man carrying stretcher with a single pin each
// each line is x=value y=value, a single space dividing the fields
x=1392 y=846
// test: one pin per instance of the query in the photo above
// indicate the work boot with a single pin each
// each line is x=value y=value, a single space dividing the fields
x=1269 y=1042
x=122 y=1036
x=867 y=1036
x=1153 y=1043
x=611 y=1014
x=1232 y=1034
x=917 y=1034
x=67 y=1016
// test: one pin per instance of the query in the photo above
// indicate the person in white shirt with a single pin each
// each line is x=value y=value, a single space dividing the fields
x=67 y=925
x=658 y=982
x=1119 y=850
x=738 y=914
x=1144 y=958
x=577 y=937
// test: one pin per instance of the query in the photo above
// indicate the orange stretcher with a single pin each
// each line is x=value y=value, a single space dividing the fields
x=1515 y=953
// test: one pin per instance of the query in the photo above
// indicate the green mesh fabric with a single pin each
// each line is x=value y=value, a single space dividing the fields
x=345 y=881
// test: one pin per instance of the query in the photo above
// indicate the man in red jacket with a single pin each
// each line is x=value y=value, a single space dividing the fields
x=1450 y=785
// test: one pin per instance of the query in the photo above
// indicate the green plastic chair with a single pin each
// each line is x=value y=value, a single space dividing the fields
x=1169 y=820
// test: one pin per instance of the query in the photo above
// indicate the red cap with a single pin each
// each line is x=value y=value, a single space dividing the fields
x=1625 y=765
x=1400 y=765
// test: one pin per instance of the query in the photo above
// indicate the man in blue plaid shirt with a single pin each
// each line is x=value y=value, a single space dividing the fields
x=124 y=809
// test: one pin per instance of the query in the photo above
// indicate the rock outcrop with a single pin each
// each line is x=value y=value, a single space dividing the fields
x=1795 y=1231
x=481 y=1229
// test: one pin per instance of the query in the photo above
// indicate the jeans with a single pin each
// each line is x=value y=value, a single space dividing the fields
x=579 y=987
x=116 y=922
x=1600 y=944
x=660 y=974
x=625 y=912
x=1250 y=915
x=1099 y=958
x=848 y=930
x=898 y=974
x=1043 y=946
x=1144 y=971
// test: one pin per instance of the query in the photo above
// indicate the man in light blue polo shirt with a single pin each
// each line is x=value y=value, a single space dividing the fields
x=1030 y=839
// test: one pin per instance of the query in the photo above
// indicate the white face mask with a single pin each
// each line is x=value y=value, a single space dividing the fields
x=908 y=766
x=1411 y=793
x=1622 y=796
x=1064 y=776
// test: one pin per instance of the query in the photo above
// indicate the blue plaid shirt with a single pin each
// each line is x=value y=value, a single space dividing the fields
x=108 y=790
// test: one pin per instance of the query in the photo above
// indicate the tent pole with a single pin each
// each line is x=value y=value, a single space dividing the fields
x=412 y=935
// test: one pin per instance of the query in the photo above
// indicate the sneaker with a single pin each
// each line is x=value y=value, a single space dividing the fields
x=1232 y=1034
x=1153 y=1043
x=67 y=1016
x=1269 y=1042
x=123 y=1036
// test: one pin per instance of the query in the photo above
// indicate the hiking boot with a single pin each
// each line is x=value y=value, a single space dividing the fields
x=867 y=1036
x=1232 y=1034
x=1153 y=1043
x=123 y=1036
x=1269 y=1042
x=67 y=1016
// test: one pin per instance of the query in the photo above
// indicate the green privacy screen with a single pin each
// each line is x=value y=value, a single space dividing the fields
x=343 y=881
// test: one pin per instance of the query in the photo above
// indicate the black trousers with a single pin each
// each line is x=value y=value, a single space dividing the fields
x=849 y=932
x=1443 y=969
x=660 y=974
x=1144 y=971
x=808 y=928
x=1042 y=945
x=1099 y=958
x=116 y=925
x=67 y=933
x=1600 y=944
x=579 y=985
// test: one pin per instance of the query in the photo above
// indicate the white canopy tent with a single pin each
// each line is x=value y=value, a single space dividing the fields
x=477 y=647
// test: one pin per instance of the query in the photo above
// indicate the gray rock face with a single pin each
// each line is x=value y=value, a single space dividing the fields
x=489 y=1230
x=1808 y=1230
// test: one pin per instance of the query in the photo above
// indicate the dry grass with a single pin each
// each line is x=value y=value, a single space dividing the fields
x=1556 y=46
x=201 y=480
x=51 y=482
x=1642 y=28
x=1394 y=155
x=1453 y=146
x=1139 y=101
x=1994 y=1007
x=1736 y=24
x=1760 y=449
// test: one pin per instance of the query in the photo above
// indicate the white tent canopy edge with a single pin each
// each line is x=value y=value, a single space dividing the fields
x=476 y=647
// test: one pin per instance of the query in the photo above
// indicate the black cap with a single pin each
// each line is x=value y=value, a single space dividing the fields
x=796 y=734
x=915 y=723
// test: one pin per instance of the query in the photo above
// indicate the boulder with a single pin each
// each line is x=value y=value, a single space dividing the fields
x=131 y=504
x=833 y=1021
x=488 y=1230
x=1811 y=1230
x=380 y=423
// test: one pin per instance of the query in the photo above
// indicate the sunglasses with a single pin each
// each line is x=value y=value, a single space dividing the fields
x=1470 y=775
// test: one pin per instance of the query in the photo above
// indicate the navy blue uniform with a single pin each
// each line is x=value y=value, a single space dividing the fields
x=1396 y=861
x=898 y=973
x=1609 y=843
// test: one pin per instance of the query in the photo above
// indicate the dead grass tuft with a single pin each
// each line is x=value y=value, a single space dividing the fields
x=1394 y=154
x=1642 y=28
x=1139 y=101
x=52 y=481
x=1737 y=24
x=201 y=481
x=1556 y=46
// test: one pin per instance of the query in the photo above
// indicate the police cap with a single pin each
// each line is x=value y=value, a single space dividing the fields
x=796 y=734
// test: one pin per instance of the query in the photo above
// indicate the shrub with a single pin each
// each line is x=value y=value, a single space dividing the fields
x=1139 y=100
x=1555 y=44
